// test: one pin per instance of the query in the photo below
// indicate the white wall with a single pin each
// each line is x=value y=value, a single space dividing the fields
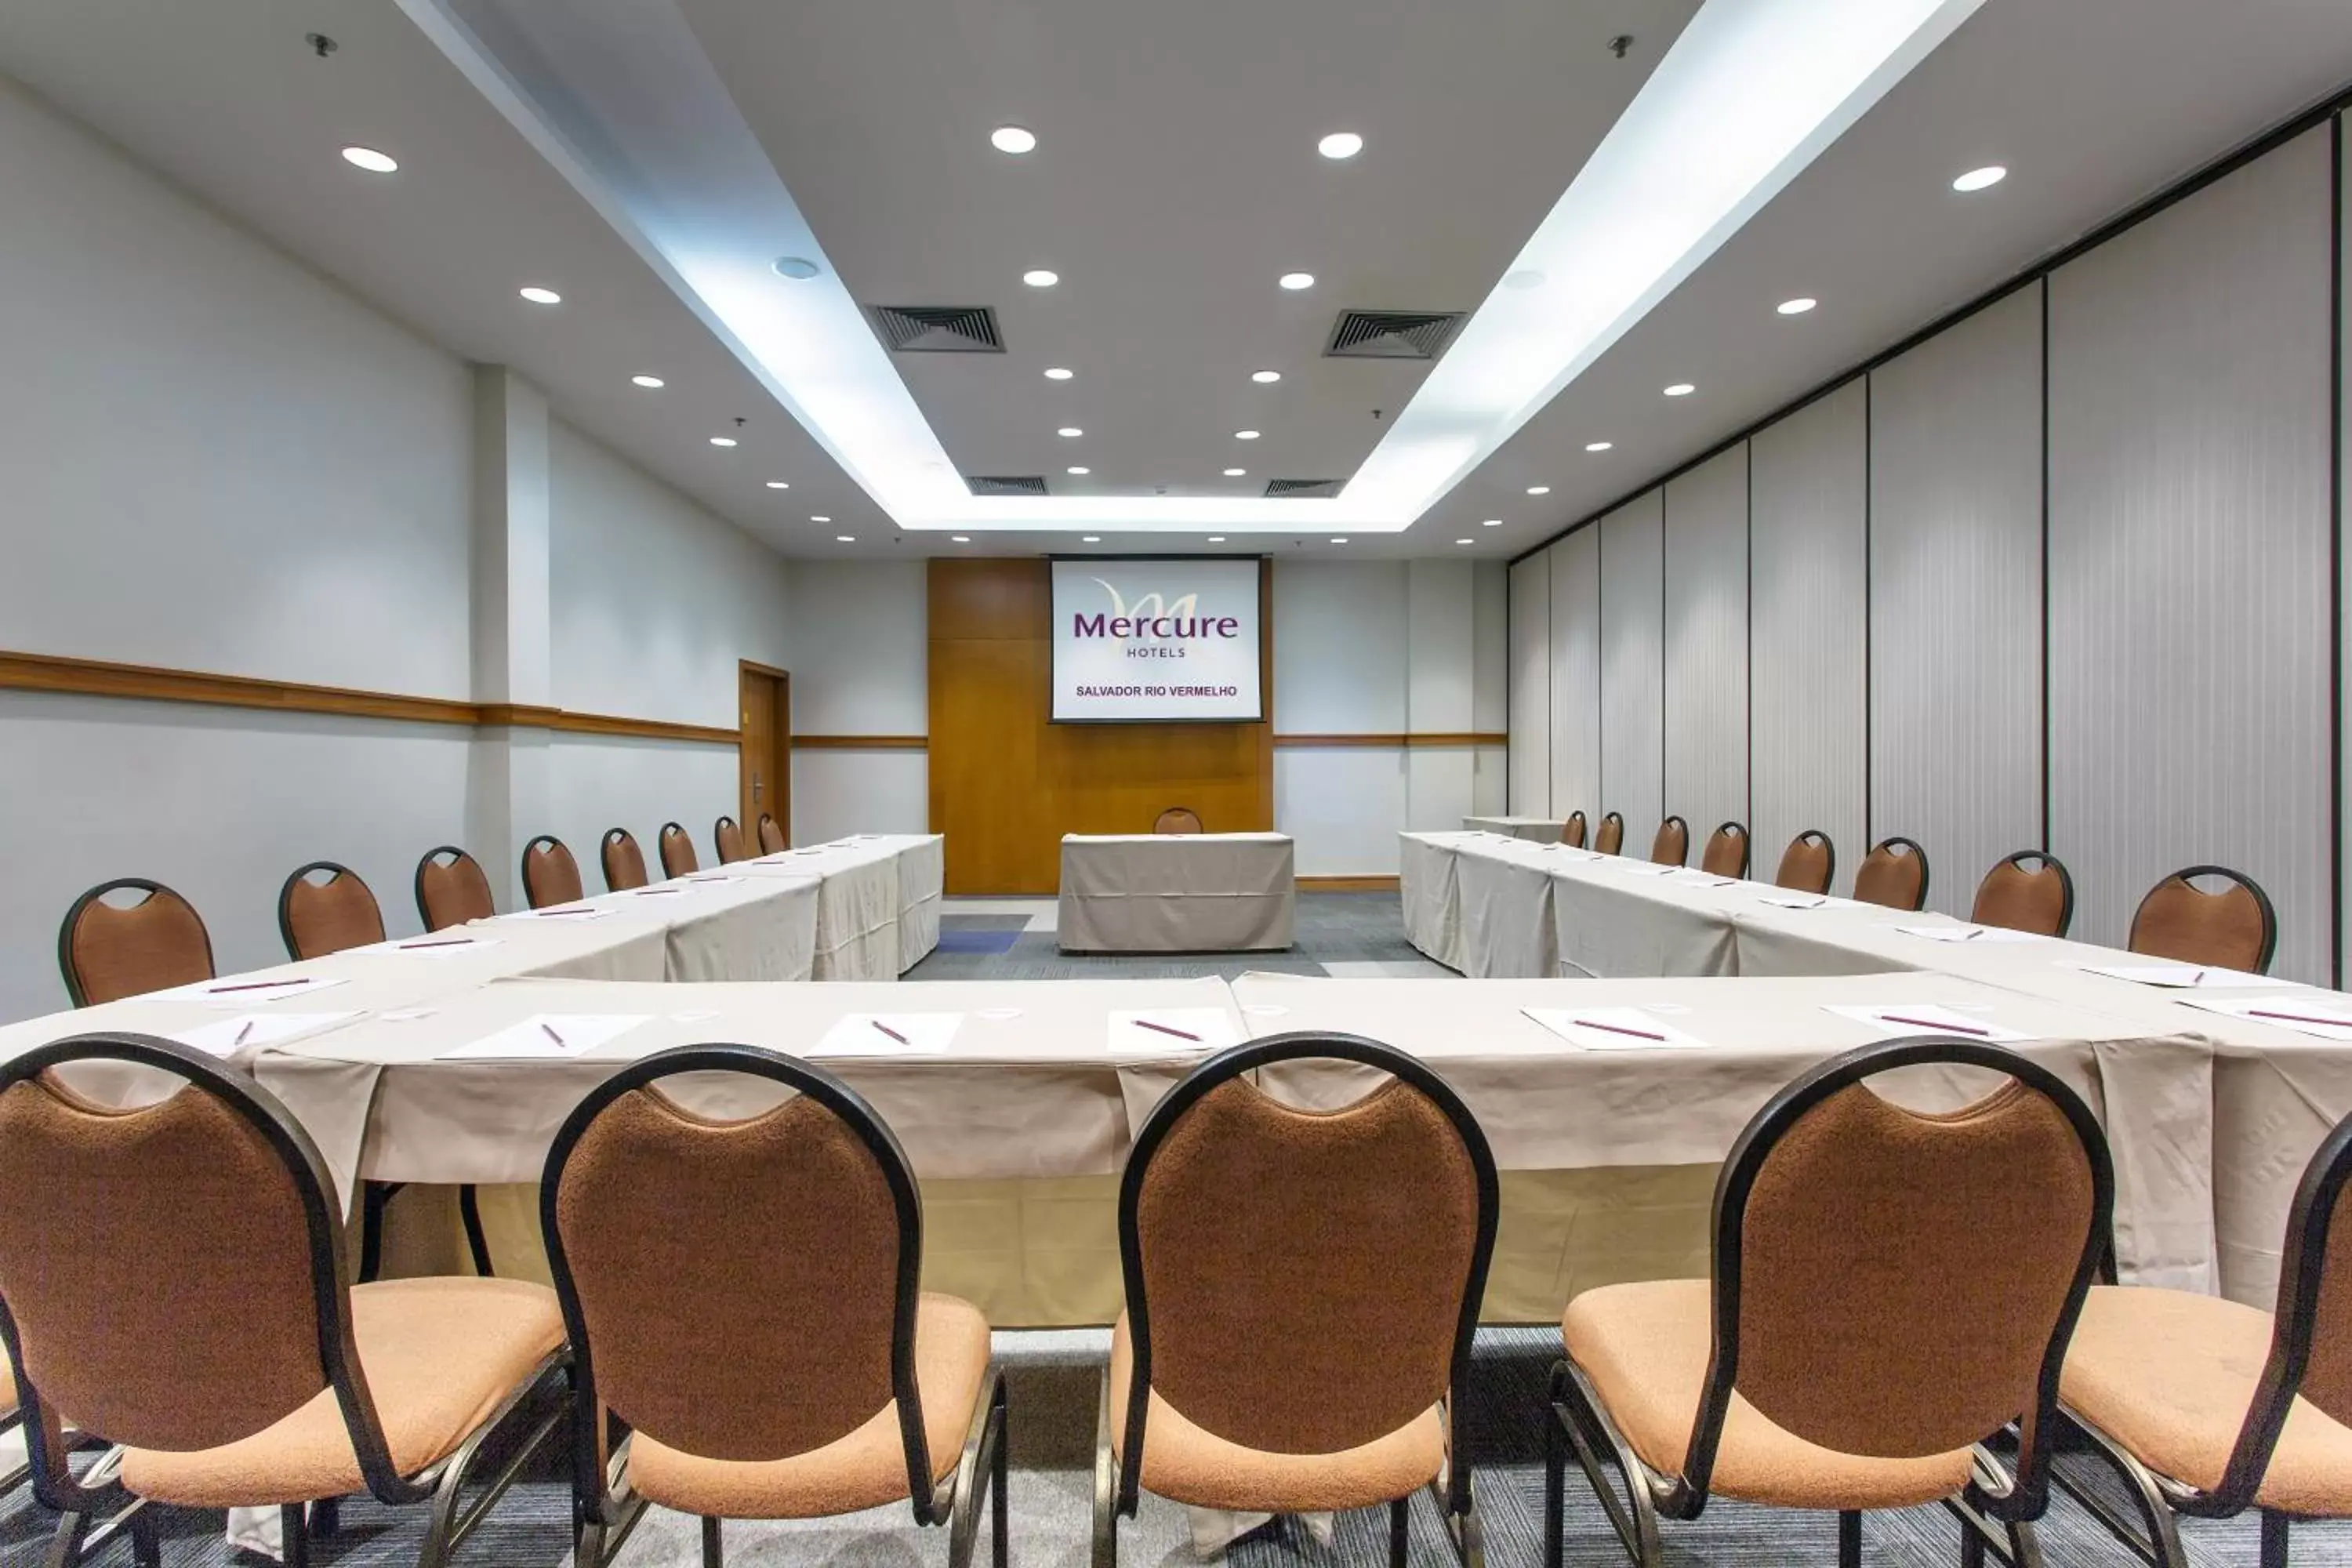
x=863 y=669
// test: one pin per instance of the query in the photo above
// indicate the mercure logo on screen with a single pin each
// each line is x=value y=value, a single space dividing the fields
x=1154 y=618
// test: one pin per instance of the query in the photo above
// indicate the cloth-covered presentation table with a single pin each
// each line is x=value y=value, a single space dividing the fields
x=1177 y=892
x=1538 y=829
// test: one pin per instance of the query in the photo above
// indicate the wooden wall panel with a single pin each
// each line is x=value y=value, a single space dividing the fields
x=1006 y=783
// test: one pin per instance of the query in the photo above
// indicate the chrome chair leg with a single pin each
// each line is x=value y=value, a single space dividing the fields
x=1576 y=1412
x=66 y=1542
x=2160 y=1547
x=1105 y=1535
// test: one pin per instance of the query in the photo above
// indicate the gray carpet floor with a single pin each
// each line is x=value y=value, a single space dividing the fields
x=1013 y=939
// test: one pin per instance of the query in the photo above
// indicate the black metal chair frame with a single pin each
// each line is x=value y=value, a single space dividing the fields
x=1119 y=1483
x=2159 y=1498
x=614 y=838
x=2065 y=881
x=78 y=1501
x=1913 y=845
x=672 y=832
x=425 y=915
x=1738 y=830
x=338 y=871
x=604 y=1511
x=2013 y=1496
x=1829 y=845
x=2189 y=874
x=66 y=966
x=530 y=896
x=1670 y=820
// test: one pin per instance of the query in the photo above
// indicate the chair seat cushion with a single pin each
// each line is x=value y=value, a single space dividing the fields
x=1645 y=1349
x=439 y=1356
x=2170 y=1375
x=864 y=1469
x=1186 y=1464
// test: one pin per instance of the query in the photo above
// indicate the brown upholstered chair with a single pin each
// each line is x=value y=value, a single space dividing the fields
x=107 y=952
x=1725 y=854
x=771 y=835
x=744 y=1295
x=180 y=1288
x=1962 y=1245
x=1611 y=839
x=550 y=875
x=1893 y=875
x=1670 y=846
x=1808 y=863
x=451 y=890
x=2040 y=900
x=2233 y=929
x=625 y=863
x=727 y=838
x=676 y=851
x=1302 y=1287
x=2207 y=1406
x=1572 y=833
x=1177 y=819
x=320 y=918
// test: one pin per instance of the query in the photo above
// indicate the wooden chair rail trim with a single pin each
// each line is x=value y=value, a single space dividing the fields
x=862 y=742
x=152 y=683
x=1465 y=738
x=1347 y=884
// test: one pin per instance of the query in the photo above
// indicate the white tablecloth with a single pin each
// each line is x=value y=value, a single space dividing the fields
x=1177 y=892
x=1540 y=829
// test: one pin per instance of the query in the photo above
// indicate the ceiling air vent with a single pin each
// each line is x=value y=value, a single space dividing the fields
x=1392 y=334
x=1006 y=484
x=938 y=329
x=1302 y=486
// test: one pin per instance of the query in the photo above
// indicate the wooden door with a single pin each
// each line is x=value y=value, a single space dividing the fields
x=766 y=750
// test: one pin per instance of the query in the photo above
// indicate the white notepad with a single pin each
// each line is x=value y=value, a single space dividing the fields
x=1794 y=901
x=547 y=1035
x=888 y=1035
x=1969 y=933
x=235 y=993
x=1902 y=1018
x=1699 y=879
x=449 y=946
x=2186 y=976
x=250 y=1030
x=1646 y=869
x=1612 y=1028
x=2325 y=1021
x=1164 y=1031
x=565 y=913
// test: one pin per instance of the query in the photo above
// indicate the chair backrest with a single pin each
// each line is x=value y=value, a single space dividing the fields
x=2040 y=900
x=179 y=1283
x=678 y=856
x=772 y=837
x=1894 y=874
x=107 y=952
x=1177 y=819
x=740 y=1290
x=1304 y=1282
x=625 y=863
x=1808 y=863
x=728 y=839
x=550 y=875
x=2234 y=928
x=1670 y=846
x=2311 y=1332
x=450 y=891
x=1611 y=839
x=1727 y=851
x=1572 y=833
x=1962 y=1245
x=330 y=915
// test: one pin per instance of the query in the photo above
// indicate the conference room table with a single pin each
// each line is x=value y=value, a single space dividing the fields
x=877 y=909
x=1177 y=892
x=1536 y=829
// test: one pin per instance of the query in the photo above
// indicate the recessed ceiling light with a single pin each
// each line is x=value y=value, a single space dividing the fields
x=1090 y=539
x=1041 y=277
x=1493 y=522
x=1244 y=434
x=1981 y=179
x=653 y=382
x=538 y=295
x=1216 y=539
x=1341 y=144
x=1525 y=278
x=1082 y=470
x=960 y=538
x=844 y=539
x=1014 y=139
x=1235 y=473
x=1597 y=446
x=1461 y=542
x=1339 y=541
x=779 y=484
x=1058 y=373
x=1681 y=389
x=1265 y=377
x=1798 y=306
x=1538 y=490
x=1069 y=432
x=817 y=518
x=1295 y=281
x=376 y=162
x=799 y=268
x=722 y=440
